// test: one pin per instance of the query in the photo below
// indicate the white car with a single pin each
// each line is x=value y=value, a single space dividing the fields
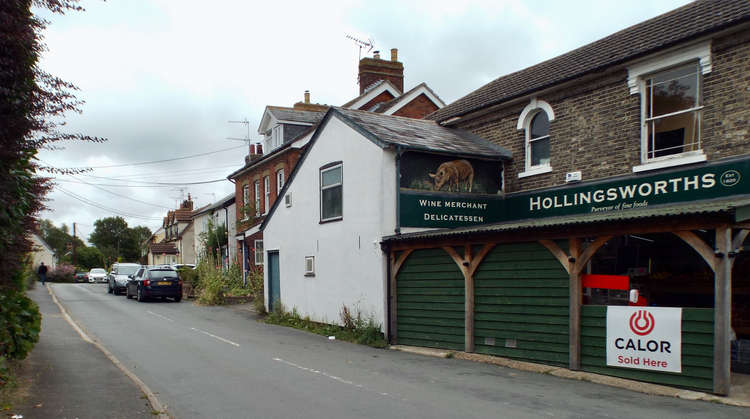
x=97 y=275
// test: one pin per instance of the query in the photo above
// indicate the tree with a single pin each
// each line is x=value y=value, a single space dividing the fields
x=89 y=257
x=58 y=239
x=108 y=235
x=32 y=104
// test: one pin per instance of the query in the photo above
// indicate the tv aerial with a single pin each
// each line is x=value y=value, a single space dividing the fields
x=369 y=44
x=247 y=139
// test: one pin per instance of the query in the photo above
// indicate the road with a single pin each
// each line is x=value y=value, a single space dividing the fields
x=219 y=362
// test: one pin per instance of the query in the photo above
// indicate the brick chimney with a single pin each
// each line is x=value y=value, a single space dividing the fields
x=374 y=69
x=305 y=105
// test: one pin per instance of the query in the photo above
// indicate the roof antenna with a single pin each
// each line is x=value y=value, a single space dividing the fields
x=247 y=139
x=362 y=44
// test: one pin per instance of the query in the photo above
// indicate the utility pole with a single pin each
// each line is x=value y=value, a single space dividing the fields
x=74 y=244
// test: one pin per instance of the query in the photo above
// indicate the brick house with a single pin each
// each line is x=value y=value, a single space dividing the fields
x=628 y=194
x=177 y=246
x=287 y=130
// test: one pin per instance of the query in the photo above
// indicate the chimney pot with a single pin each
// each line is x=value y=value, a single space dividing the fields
x=259 y=149
x=376 y=54
x=394 y=54
x=252 y=149
x=307 y=96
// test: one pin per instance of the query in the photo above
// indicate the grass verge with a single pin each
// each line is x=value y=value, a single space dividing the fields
x=356 y=329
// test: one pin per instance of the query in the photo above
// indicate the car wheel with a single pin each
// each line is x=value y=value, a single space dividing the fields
x=178 y=299
x=140 y=296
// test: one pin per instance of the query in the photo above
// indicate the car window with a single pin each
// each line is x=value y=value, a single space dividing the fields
x=140 y=272
x=163 y=273
x=127 y=270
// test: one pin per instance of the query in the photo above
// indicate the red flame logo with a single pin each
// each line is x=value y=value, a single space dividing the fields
x=642 y=322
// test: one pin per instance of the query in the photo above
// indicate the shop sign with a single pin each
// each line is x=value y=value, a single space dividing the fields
x=448 y=208
x=648 y=338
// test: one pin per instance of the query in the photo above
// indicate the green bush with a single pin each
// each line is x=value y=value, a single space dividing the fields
x=211 y=289
x=20 y=323
x=189 y=276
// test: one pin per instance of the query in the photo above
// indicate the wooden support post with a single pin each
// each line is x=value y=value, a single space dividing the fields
x=396 y=264
x=468 y=303
x=574 y=313
x=722 y=310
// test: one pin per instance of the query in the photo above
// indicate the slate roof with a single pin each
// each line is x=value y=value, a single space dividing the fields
x=680 y=25
x=718 y=206
x=168 y=248
x=218 y=204
x=420 y=134
x=383 y=107
x=292 y=115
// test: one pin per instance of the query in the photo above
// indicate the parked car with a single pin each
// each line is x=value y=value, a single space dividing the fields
x=177 y=266
x=82 y=277
x=151 y=282
x=97 y=275
x=119 y=276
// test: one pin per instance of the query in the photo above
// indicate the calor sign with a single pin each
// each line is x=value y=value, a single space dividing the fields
x=648 y=338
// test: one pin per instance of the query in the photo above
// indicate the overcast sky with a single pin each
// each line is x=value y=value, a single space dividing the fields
x=162 y=78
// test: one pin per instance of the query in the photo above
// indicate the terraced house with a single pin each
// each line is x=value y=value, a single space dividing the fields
x=616 y=243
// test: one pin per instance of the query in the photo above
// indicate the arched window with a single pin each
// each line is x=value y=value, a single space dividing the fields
x=537 y=141
x=535 y=121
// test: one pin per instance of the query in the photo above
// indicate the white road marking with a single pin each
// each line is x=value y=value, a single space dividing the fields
x=159 y=315
x=324 y=374
x=216 y=337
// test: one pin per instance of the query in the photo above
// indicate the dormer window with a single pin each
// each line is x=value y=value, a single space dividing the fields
x=274 y=138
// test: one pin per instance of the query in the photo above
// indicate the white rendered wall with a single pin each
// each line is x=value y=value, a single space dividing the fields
x=350 y=268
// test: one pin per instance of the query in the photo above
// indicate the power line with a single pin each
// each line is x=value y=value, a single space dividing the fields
x=80 y=182
x=157 y=183
x=152 y=174
x=102 y=207
x=160 y=161
x=125 y=196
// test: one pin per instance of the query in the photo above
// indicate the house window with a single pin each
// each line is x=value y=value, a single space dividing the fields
x=331 y=192
x=245 y=200
x=537 y=145
x=535 y=121
x=258 y=252
x=309 y=265
x=672 y=112
x=257 y=198
x=266 y=194
x=279 y=181
x=670 y=87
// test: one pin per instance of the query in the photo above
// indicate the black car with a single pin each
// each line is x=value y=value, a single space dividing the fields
x=162 y=282
x=82 y=277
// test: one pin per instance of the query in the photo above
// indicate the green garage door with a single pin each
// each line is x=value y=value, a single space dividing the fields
x=521 y=304
x=430 y=301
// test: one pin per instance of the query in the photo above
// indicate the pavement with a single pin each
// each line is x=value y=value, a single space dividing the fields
x=66 y=377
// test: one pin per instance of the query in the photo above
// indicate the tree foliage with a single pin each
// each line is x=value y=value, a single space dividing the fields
x=117 y=241
x=32 y=103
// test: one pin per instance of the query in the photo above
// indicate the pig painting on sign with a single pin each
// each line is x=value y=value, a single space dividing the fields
x=453 y=173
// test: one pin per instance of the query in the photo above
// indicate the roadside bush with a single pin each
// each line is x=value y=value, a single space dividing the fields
x=211 y=290
x=189 y=276
x=20 y=323
x=255 y=283
x=61 y=273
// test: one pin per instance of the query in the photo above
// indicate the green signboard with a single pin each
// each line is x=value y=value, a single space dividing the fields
x=424 y=209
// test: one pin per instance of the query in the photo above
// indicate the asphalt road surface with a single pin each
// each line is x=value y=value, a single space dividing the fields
x=219 y=362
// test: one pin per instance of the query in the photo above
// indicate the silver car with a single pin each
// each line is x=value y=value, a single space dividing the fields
x=97 y=275
x=118 y=278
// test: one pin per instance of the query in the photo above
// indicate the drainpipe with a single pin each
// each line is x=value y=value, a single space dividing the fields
x=398 y=190
x=229 y=239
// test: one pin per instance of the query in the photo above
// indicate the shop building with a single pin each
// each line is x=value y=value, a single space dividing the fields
x=616 y=245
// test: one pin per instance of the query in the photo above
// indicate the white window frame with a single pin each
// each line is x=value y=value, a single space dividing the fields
x=245 y=200
x=524 y=123
x=638 y=74
x=309 y=265
x=258 y=244
x=325 y=169
x=279 y=181
x=266 y=194
x=257 y=198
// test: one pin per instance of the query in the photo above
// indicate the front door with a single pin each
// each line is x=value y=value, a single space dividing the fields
x=274 y=294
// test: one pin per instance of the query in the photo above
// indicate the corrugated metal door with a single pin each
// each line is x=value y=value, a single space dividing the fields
x=430 y=301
